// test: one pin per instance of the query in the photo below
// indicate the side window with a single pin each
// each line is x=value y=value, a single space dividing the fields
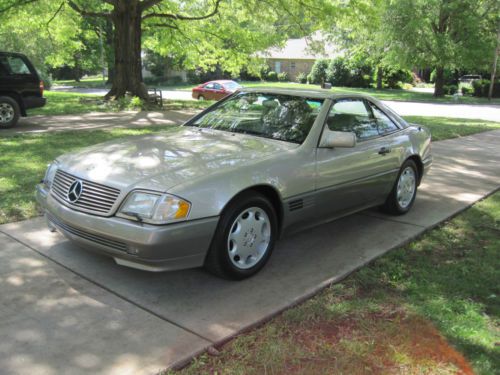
x=217 y=86
x=13 y=65
x=4 y=72
x=209 y=86
x=384 y=124
x=351 y=115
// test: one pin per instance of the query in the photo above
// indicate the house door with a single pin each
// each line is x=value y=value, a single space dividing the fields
x=277 y=67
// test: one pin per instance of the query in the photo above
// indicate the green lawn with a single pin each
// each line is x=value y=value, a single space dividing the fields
x=445 y=127
x=390 y=317
x=95 y=82
x=384 y=94
x=68 y=103
x=24 y=157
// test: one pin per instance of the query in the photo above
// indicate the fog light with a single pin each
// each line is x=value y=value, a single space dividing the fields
x=132 y=250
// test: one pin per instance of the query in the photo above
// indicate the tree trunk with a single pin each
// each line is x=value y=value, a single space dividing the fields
x=127 y=46
x=439 y=84
x=110 y=52
x=494 y=66
x=380 y=75
x=77 y=71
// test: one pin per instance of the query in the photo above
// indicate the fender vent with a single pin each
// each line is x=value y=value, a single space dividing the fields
x=296 y=204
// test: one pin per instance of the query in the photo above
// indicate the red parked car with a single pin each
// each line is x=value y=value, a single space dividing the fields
x=215 y=90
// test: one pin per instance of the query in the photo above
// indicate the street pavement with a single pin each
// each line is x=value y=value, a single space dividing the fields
x=67 y=310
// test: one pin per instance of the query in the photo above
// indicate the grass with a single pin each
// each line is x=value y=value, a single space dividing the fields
x=25 y=157
x=398 y=315
x=384 y=94
x=445 y=127
x=94 y=82
x=68 y=103
x=186 y=104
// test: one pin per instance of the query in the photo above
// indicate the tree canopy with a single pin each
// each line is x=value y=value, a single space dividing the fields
x=204 y=33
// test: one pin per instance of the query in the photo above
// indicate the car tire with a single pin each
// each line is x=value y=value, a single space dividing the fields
x=9 y=112
x=240 y=248
x=201 y=97
x=404 y=191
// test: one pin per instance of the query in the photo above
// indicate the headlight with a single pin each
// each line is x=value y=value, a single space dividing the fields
x=154 y=208
x=50 y=173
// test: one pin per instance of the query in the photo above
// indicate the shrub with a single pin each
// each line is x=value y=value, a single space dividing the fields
x=406 y=86
x=301 y=77
x=272 y=76
x=395 y=78
x=482 y=86
x=450 y=89
x=309 y=78
x=477 y=87
x=361 y=75
x=283 y=77
x=338 y=72
x=136 y=103
x=318 y=71
x=467 y=90
x=245 y=75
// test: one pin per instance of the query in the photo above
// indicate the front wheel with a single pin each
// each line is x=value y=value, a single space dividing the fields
x=403 y=194
x=244 y=239
x=9 y=112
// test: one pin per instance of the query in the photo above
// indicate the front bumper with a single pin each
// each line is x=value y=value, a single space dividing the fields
x=137 y=245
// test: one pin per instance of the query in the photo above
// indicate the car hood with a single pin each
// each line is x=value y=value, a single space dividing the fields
x=163 y=160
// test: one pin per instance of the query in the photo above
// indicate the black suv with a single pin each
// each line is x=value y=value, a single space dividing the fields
x=20 y=88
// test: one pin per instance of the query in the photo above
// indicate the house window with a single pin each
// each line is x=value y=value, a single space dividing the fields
x=292 y=65
x=277 y=67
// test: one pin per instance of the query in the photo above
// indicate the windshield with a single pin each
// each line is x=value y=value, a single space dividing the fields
x=282 y=117
x=231 y=85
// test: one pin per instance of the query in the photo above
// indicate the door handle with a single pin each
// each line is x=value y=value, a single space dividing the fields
x=384 y=150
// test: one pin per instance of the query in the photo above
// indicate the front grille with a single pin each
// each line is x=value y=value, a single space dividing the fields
x=117 y=245
x=95 y=198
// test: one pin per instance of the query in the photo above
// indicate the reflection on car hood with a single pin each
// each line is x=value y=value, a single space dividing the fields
x=163 y=160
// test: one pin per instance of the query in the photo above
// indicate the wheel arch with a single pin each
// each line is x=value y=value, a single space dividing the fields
x=271 y=193
x=15 y=96
x=420 y=166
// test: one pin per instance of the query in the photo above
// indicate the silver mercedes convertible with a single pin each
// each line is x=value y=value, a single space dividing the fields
x=220 y=190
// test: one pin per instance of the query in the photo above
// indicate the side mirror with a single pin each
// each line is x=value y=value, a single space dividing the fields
x=331 y=139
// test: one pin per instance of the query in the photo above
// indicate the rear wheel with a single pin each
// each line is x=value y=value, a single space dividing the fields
x=403 y=194
x=244 y=239
x=9 y=112
x=201 y=97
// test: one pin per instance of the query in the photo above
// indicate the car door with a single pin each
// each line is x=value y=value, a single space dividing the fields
x=208 y=91
x=219 y=91
x=350 y=178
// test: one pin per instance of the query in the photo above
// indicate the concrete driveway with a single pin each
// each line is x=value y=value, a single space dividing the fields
x=66 y=310
x=96 y=121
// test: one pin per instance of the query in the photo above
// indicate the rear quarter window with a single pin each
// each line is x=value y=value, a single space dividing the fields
x=13 y=66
